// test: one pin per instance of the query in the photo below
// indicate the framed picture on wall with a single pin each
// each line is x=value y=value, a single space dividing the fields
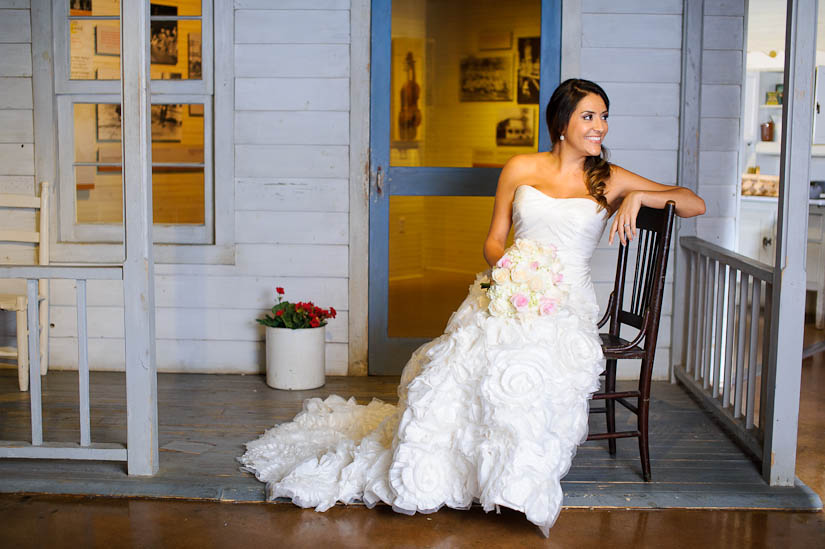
x=167 y=122
x=193 y=54
x=107 y=40
x=486 y=78
x=196 y=109
x=529 y=73
x=516 y=127
x=163 y=36
x=107 y=122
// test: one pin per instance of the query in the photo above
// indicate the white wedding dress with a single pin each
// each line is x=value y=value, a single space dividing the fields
x=491 y=411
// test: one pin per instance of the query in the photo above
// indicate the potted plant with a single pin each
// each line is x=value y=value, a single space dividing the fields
x=295 y=335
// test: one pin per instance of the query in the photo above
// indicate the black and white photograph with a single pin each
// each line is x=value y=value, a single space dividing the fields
x=108 y=121
x=529 y=73
x=486 y=79
x=167 y=121
x=80 y=7
x=515 y=127
x=164 y=36
x=194 y=55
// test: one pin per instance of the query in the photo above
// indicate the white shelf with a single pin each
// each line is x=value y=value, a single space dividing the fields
x=772 y=148
x=764 y=106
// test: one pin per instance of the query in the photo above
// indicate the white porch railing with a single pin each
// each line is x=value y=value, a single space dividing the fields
x=727 y=318
x=85 y=449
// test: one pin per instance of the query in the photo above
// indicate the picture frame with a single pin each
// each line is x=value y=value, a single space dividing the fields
x=107 y=122
x=107 y=40
x=196 y=109
x=80 y=7
x=516 y=127
x=167 y=122
x=194 y=56
x=486 y=78
x=529 y=70
x=163 y=36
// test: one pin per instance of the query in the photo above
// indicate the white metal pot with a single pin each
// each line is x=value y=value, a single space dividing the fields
x=295 y=358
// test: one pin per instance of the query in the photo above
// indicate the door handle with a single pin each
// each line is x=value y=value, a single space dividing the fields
x=766 y=241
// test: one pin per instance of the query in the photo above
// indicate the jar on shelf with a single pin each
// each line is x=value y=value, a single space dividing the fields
x=766 y=131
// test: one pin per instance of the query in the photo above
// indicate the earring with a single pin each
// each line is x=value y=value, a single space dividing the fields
x=561 y=138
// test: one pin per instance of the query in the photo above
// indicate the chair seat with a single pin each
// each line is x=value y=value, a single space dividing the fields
x=8 y=302
x=611 y=346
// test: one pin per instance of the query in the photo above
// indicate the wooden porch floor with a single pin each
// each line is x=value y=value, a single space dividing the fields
x=205 y=420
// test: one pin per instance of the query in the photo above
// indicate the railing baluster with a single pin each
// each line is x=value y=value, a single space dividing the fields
x=730 y=316
x=740 y=345
x=716 y=381
x=83 y=364
x=751 y=399
x=766 y=338
x=34 y=362
x=690 y=353
x=709 y=305
x=700 y=327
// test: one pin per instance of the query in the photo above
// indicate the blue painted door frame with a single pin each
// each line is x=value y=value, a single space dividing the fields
x=388 y=355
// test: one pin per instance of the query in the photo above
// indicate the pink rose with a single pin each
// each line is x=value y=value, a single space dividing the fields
x=519 y=301
x=547 y=305
x=504 y=262
x=557 y=278
x=534 y=265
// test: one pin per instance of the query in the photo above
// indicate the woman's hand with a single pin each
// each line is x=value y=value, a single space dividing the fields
x=624 y=222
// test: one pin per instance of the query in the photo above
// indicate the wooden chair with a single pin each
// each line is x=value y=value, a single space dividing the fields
x=18 y=302
x=652 y=246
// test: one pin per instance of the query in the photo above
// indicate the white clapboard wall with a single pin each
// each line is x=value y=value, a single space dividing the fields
x=16 y=140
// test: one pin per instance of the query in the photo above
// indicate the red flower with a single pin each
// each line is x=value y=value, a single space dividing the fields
x=279 y=313
x=315 y=322
x=279 y=290
x=332 y=312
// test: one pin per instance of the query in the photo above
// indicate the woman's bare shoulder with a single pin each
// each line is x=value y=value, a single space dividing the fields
x=521 y=168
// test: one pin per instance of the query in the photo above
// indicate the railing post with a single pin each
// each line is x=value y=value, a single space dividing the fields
x=783 y=374
x=138 y=266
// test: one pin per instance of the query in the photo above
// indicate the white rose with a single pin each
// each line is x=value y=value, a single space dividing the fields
x=577 y=349
x=519 y=275
x=526 y=246
x=536 y=283
x=500 y=307
x=501 y=276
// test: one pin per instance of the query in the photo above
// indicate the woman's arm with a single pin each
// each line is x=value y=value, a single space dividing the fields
x=496 y=240
x=635 y=191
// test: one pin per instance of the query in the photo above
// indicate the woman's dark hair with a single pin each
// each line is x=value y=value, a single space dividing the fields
x=559 y=110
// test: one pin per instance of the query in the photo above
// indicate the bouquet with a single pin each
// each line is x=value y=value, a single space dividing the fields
x=296 y=315
x=526 y=281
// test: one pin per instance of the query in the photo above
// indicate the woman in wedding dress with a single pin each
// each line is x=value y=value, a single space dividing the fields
x=492 y=410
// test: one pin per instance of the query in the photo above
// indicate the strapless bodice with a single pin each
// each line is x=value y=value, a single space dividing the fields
x=573 y=225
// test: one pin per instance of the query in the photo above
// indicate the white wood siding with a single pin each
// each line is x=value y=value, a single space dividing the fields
x=633 y=50
x=291 y=147
x=16 y=140
x=720 y=119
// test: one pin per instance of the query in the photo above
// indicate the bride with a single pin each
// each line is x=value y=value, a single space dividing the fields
x=492 y=410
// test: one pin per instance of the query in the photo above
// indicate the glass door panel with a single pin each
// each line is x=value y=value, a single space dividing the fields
x=457 y=88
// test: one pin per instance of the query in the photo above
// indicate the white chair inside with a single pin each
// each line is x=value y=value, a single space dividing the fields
x=17 y=302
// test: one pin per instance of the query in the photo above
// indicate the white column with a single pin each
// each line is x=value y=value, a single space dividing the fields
x=784 y=364
x=688 y=168
x=139 y=266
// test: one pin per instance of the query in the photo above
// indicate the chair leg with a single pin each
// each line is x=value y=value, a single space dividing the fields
x=610 y=404
x=644 y=408
x=22 y=347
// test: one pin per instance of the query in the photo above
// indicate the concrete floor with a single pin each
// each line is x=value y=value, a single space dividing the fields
x=65 y=521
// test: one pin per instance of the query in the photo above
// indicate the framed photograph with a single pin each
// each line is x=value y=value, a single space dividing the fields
x=486 y=79
x=164 y=36
x=495 y=40
x=516 y=127
x=196 y=109
x=107 y=40
x=407 y=91
x=167 y=122
x=80 y=7
x=107 y=122
x=529 y=73
x=193 y=54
